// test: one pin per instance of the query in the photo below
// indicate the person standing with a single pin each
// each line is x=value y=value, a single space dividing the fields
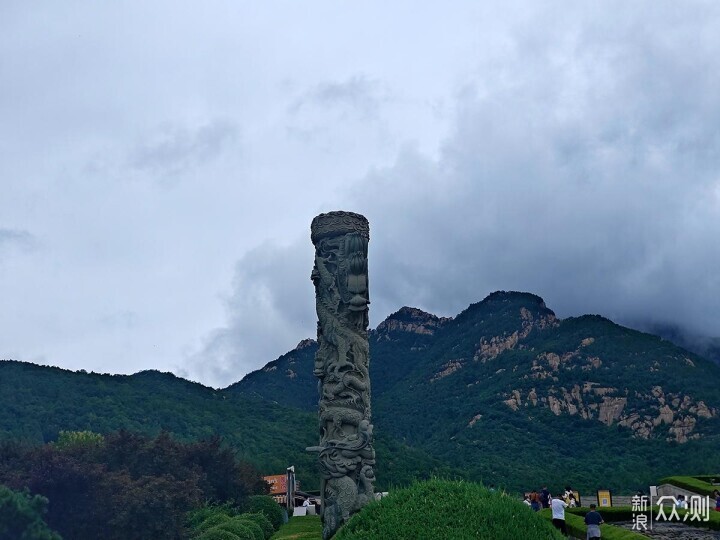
x=593 y=520
x=535 y=501
x=558 y=514
x=545 y=497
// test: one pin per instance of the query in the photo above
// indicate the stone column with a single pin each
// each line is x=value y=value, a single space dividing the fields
x=340 y=276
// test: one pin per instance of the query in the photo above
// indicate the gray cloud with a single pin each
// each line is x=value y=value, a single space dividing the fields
x=585 y=172
x=271 y=305
x=18 y=238
x=569 y=149
x=357 y=94
x=595 y=185
x=172 y=150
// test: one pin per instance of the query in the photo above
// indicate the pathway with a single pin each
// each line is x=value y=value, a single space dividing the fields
x=675 y=531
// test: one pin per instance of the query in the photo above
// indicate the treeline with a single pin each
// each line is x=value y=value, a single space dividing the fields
x=125 y=485
x=37 y=402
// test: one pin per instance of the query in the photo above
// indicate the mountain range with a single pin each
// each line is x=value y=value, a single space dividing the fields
x=505 y=392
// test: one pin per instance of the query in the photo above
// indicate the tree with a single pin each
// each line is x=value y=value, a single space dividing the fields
x=21 y=516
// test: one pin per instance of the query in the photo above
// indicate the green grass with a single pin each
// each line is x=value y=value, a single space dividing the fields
x=300 y=528
x=448 y=510
x=575 y=523
x=698 y=484
x=625 y=513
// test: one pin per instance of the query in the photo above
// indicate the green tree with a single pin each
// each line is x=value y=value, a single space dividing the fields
x=21 y=516
x=266 y=505
x=74 y=439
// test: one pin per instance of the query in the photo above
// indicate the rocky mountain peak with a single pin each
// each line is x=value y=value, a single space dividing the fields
x=305 y=343
x=514 y=296
x=413 y=320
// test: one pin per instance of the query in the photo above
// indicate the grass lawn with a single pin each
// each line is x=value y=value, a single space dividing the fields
x=302 y=527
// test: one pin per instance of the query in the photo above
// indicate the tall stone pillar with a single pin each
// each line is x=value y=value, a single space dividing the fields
x=340 y=276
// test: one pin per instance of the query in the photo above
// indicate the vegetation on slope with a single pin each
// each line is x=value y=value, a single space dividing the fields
x=21 y=516
x=503 y=393
x=698 y=484
x=37 y=403
x=127 y=486
x=521 y=398
x=447 y=509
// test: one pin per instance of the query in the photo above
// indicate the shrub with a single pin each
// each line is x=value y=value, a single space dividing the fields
x=266 y=505
x=242 y=529
x=21 y=516
x=211 y=522
x=219 y=534
x=195 y=517
x=447 y=509
x=699 y=485
x=262 y=521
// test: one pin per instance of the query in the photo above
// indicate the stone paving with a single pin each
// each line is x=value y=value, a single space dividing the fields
x=676 y=531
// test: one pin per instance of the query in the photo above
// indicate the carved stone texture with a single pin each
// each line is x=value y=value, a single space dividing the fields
x=346 y=454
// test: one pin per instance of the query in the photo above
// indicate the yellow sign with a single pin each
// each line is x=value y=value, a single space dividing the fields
x=604 y=498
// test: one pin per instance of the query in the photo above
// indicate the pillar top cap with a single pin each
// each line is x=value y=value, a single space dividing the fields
x=338 y=223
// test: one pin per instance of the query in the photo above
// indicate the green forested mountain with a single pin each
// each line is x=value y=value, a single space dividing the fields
x=504 y=392
x=511 y=394
x=37 y=402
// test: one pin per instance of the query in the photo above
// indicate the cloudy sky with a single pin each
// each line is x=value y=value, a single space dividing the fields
x=160 y=163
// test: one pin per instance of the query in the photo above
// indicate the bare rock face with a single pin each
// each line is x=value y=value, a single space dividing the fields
x=448 y=368
x=665 y=417
x=305 y=343
x=555 y=405
x=682 y=428
x=474 y=420
x=412 y=320
x=703 y=411
x=490 y=349
x=611 y=408
x=676 y=413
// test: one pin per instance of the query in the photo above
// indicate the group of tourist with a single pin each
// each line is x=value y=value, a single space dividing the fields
x=542 y=499
x=557 y=504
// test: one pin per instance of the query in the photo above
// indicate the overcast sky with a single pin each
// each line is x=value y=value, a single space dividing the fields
x=160 y=163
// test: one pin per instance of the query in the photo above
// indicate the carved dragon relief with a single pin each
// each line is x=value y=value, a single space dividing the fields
x=345 y=452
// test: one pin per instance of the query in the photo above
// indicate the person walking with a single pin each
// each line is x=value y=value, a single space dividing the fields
x=558 y=514
x=593 y=520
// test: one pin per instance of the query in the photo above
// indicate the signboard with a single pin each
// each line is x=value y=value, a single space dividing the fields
x=604 y=498
x=278 y=484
